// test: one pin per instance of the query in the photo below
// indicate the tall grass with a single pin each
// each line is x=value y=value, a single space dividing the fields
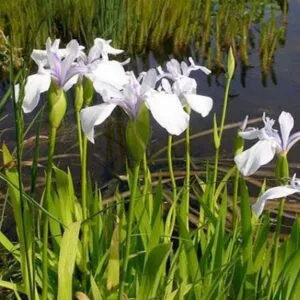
x=140 y=26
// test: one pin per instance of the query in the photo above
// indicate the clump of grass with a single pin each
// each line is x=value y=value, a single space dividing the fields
x=140 y=26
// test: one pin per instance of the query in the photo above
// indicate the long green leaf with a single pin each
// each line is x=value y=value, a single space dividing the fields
x=113 y=266
x=153 y=271
x=66 y=261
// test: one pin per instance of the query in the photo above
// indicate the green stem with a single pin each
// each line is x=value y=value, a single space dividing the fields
x=185 y=204
x=215 y=177
x=51 y=148
x=170 y=163
x=276 y=247
x=235 y=198
x=224 y=111
x=147 y=195
x=24 y=208
x=146 y=181
x=220 y=133
x=133 y=190
x=85 y=229
x=79 y=134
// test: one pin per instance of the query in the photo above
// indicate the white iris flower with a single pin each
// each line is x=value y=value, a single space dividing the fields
x=270 y=143
x=185 y=87
x=276 y=192
x=165 y=108
x=100 y=69
x=58 y=65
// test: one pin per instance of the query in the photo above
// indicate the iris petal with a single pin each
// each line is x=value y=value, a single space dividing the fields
x=200 y=104
x=35 y=85
x=250 y=134
x=168 y=112
x=94 y=115
x=249 y=161
x=149 y=81
x=286 y=122
x=173 y=67
x=272 y=193
x=111 y=72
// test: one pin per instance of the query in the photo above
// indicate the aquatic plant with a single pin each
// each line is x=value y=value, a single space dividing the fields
x=270 y=143
x=142 y=242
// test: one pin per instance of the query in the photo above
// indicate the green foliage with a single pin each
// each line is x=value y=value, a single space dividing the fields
x=66 y=262
x=208 y=262
x=138 y=134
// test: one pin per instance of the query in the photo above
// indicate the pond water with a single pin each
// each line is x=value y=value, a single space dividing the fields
x=253 y=91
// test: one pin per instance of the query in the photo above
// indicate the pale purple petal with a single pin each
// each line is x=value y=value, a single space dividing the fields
x=294 y=138
x=95 y=51
x=55 y=45
x=173 y=67
x=168 y=112
x=149 y=81
x=48 y=44
x=72 y=81
x=94 y=115
x=196 y=67
x=185 y=69
x=200 y=104
x=35 y=85
x=166 y=85
x=286 y=122
x=17 y=91
x=55 y=64
x=244 y=124
x=40 y=58
x=111 y=72
x=125 y=62
x=110 y=50
x=250 y=133
x=184 y=85
x=110 y=90
x=67 y=62
x=249 y=161
x=272 y=193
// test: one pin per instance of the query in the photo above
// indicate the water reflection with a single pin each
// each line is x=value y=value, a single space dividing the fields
x=203 y=28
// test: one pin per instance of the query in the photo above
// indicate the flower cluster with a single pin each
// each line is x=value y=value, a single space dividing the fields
x=117 y=87
x=64 y=66
x=270 y=142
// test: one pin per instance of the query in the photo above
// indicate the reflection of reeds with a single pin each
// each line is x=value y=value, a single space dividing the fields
x=269 y=37
x=164 y=26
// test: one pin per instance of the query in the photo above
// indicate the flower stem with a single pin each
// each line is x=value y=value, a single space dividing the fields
x=235 y=198
x=47 y=197
x=84 y=206
x=170 y=163
x=185 y=203
x=276 y=246
x=133 y=190
x=147 y=195
x=220 y=133
x=79 y=133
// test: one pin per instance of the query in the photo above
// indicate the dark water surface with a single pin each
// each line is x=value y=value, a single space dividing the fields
x=250 y=95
